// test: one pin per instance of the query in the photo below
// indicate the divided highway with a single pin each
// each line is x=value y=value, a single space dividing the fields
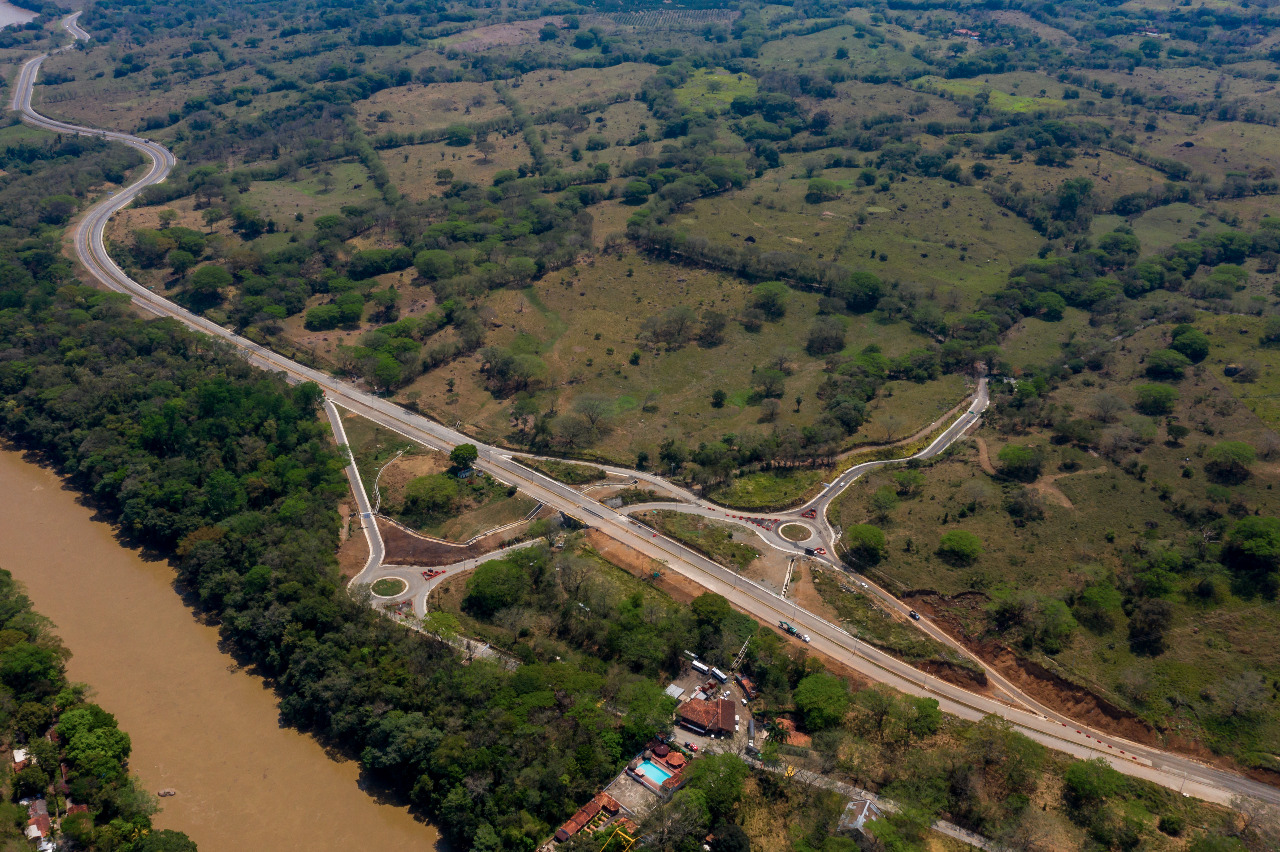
x=1173 y=771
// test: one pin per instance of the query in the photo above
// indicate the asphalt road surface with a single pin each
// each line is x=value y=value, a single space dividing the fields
x=1173 y=771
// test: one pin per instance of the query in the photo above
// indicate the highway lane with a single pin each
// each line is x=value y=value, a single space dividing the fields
x=368 y=523
x=1170 y=770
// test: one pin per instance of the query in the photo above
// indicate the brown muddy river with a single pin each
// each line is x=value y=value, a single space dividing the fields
x=198 y=725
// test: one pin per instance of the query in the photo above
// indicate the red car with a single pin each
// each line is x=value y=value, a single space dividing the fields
x=810 y=513
x=690 y=746
x=821 y=551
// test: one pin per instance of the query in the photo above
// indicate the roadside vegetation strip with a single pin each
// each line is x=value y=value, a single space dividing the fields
x=872 y=624
x=567 y=472
x=782 y=488
x=773 y=490
x=713 y=539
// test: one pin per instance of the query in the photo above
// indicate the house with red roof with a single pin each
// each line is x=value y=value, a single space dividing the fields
x=707 y=717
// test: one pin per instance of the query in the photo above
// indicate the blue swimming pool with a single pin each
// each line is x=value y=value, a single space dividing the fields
x=655 y=773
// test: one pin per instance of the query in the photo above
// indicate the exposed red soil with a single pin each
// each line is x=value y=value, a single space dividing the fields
x=405 y=548
x=984 y=458
x=353 y=549
x=958 y=675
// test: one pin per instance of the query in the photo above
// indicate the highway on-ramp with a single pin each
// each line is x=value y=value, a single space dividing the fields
x=1174 y=771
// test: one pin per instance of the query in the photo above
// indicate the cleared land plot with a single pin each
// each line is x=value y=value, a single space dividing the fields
x=714 y=89
x=516 y=32
x=903 y=224
x=617 y=124
x=315 y=192
x=416 y=108
x=551 y=88
x=413 y=168
x=1008 y=92
x=1112 y=175
x=1217 y=147
x=866 y=55
x=559 y=320
x=856 y=100
x=1159 y=228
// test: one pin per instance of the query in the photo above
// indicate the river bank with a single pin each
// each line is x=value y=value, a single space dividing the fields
x=199 y=725
x=11 y=15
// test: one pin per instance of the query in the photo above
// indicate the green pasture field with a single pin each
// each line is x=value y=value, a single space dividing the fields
x=1234 y=340
x=714 y=89
x=866 y=55
x=17 y=132
x=1112 y=175
x=921 y=247
x=1004 y=92
x=1159 y=228
x=1033 y=342
x=312 y=194
x=1218 y=147
x=858 y=100
x=558 y=321
x=621 y=122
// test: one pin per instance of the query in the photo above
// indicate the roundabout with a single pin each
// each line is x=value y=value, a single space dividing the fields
x=389 y=587
x=796 y=532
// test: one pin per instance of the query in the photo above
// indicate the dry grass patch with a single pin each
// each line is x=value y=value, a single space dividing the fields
x=552 y=88
x=414 y=108
x=413 y=168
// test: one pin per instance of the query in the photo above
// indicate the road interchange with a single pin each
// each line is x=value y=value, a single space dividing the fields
x=1034 y=720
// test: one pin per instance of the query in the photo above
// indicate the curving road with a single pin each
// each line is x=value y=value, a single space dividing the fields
x=1174 y=771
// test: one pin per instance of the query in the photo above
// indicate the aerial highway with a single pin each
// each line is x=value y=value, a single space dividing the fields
x=1174 y=771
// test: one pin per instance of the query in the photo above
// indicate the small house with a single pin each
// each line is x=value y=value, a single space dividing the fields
x=856 y=815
